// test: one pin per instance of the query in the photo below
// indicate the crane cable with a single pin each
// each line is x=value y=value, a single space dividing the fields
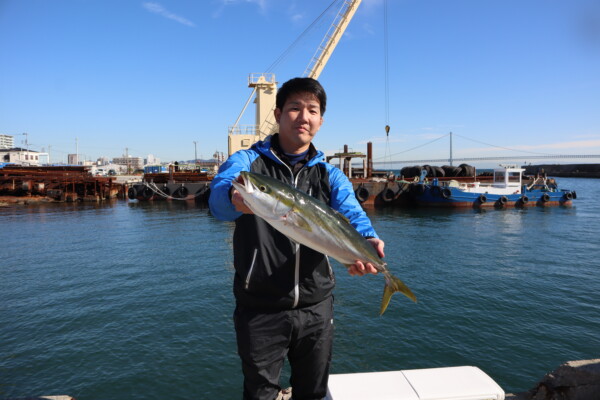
x=387 y=155
x=287 y=51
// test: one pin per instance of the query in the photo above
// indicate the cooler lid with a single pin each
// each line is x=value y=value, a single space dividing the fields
x=449 y=383
x=460 y=383
x=388 y=385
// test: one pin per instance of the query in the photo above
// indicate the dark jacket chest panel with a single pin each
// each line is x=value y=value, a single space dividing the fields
x=269 y=265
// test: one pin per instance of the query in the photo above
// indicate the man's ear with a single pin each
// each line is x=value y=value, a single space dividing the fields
x=277 y=113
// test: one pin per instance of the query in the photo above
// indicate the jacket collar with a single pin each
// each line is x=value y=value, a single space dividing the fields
x=272 y=142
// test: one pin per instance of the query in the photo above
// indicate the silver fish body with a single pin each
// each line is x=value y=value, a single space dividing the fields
x=311 y=222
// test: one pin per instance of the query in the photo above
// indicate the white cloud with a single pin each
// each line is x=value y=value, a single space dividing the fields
x=262 y=5
x=372 y=3
x=368 y=28
x=160 y=10
x=297 y=18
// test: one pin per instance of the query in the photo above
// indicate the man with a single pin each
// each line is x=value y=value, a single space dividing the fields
x=283 y=291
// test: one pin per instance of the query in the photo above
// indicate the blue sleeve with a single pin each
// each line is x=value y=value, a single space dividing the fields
x=219 y=201
x=344 y=200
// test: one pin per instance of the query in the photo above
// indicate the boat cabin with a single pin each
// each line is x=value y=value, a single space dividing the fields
x=507 y=180
x=508 y=176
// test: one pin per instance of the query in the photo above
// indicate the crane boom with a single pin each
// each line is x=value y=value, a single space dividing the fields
x=265 y=85
x=331 y=39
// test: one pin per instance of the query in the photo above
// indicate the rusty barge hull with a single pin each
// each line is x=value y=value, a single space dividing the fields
x=58 y=183
x=377 y=192
x=381 y=192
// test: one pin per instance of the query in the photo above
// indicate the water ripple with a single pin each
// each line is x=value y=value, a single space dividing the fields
x=110 y=301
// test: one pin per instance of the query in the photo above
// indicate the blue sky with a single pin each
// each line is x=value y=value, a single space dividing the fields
x=507 y=77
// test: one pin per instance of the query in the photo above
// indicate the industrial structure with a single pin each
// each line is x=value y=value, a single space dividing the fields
x=265 y=85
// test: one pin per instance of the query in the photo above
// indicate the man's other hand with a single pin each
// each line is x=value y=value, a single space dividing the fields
x=238 y=202
x=360 y=269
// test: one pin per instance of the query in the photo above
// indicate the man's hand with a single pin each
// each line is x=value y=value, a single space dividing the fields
x=361 y=269
x=238 y=201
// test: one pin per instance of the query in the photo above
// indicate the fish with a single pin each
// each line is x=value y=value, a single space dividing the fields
x=312 y=223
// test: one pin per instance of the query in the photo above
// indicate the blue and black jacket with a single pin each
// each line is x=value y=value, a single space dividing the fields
x=271 y=271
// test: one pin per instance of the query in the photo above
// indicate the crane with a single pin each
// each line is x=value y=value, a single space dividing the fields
x=264 y=85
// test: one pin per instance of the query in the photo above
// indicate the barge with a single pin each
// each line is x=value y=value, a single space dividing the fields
x=55 y=184
x=173 y=185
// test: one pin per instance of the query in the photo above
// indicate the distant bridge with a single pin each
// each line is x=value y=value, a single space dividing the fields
x=451 y=161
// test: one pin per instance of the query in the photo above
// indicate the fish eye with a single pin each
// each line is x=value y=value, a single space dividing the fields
x=262 y=188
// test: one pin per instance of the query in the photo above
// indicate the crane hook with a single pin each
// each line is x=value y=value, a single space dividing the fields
x=387 y=130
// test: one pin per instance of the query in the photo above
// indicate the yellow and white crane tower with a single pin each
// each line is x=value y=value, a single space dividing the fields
x=264 y=85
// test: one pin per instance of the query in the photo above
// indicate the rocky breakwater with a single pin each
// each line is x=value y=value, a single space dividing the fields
x=573 y=380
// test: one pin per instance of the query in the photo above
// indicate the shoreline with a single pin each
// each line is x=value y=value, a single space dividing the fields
x=565 y=170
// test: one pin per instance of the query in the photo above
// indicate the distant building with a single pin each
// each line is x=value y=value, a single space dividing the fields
x=73 y=159
x=7 y=142
x=119 y=169
x=20 y=156
x=130 y=162
x=44 y=158
x=151 y=160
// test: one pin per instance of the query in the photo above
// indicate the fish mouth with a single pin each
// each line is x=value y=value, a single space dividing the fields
x=242 y=184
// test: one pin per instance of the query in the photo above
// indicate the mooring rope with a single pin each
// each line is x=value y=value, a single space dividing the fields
x=156 y=190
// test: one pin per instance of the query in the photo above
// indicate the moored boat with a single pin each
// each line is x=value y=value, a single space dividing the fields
x=506 y=189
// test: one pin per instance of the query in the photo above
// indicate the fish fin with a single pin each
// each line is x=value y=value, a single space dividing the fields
x=295 y=218
x=393 y=285
x=342 y=216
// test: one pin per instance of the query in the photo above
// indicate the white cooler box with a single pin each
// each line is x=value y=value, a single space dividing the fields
x=451 y=383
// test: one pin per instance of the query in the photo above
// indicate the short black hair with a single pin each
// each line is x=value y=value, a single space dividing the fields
x=301 y=85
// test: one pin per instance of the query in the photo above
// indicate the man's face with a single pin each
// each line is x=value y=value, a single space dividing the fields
x=299 y=121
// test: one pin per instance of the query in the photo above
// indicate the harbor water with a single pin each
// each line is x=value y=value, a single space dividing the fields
x=133 y=300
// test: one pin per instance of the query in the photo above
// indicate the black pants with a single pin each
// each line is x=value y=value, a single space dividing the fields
x=264 y=339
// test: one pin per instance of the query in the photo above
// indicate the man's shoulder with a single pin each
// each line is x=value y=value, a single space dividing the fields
x=334 y=173
x=246 y=155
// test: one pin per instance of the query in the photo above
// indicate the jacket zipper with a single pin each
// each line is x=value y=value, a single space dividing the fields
x=297 y=278
x=331 y=276
x=297 y=266
x=251 y=269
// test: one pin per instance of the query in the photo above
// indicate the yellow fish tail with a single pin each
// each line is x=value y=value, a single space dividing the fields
x=393 y=285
